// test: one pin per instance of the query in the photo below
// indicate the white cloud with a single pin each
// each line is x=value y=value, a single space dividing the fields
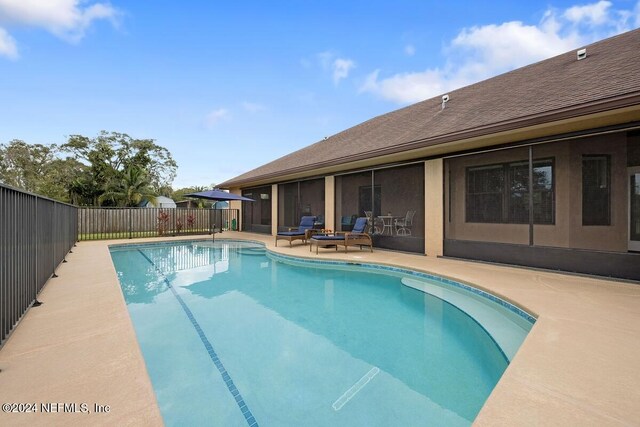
x=338 y=67
x=8 y=46
x=216 y=116
x=409 y=50
x=406 y=87
x=341 y=68
x=252 y=107
x=481 y=52
x=512 y=44
x=591 y=14
x=67 y=19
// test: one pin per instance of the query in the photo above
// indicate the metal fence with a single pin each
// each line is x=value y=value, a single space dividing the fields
x=97 y=223
x=35 y=235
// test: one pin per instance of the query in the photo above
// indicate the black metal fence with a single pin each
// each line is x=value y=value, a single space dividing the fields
x=35 y=235
x=96 y=223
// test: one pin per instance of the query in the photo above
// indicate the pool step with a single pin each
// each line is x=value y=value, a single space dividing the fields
x=506 y=328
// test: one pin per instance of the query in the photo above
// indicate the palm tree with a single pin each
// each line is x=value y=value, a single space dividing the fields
x=133 y=187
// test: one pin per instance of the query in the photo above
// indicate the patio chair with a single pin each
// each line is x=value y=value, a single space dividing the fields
x=357 y=236
x=403 y=225
x=371 y=221
x=302 y=232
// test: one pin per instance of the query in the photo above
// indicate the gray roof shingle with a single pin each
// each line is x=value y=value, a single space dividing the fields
x=543 y=92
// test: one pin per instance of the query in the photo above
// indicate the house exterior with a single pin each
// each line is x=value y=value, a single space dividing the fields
x=194 y=204
x=160 y=202
x=538 y=167
x=190 y=204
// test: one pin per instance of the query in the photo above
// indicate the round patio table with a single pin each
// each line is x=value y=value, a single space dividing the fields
x=387 y=223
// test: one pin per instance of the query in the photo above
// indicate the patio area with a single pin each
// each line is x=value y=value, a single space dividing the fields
x=578 y=365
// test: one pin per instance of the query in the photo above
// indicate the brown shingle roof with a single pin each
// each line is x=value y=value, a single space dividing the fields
x=559 y=87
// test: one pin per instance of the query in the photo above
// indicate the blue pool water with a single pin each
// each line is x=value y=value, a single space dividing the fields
x=235 y=336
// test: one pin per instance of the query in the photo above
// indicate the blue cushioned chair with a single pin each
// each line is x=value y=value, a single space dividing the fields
x=302 y=232
x=357 y=236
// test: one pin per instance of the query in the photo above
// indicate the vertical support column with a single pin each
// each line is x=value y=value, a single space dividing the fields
x=434 y=207
x=329 y=202
x=274 y=209
x=236 y=204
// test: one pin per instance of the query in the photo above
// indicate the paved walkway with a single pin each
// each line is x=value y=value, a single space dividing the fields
x=578 y=366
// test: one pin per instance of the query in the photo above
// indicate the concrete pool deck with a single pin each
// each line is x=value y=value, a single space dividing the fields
x=578 y=366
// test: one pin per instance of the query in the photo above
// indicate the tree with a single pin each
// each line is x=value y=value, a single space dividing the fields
x=84 y=190
x=60 y=173
x=37 y=169
x=129 y=190
x=178 y=194
x=110 y=154
x=23 y=165
x=92 y=167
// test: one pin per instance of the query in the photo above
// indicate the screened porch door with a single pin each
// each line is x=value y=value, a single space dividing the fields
x=634 y=208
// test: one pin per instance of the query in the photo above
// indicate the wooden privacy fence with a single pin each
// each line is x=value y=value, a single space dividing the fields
x=35 y=236
x=127 y=223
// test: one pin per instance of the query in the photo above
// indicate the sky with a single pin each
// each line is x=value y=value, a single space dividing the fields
x=229 y=86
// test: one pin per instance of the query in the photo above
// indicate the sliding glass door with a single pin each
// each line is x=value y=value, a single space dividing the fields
x=256 y=216
x=298 y=199
x=392 y=200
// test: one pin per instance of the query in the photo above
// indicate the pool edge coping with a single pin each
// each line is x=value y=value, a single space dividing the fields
x=514 y=307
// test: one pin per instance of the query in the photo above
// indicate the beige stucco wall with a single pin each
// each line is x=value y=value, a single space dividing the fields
x=236 y=204
x=568 y=230
x=329 y=202
x=433 y=208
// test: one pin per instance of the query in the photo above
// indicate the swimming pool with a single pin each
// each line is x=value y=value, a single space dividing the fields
x=235 y=335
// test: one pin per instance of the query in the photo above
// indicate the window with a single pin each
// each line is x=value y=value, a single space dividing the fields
x=485 y=186
x=518 y=186
x=500 y=193
x=596 y=190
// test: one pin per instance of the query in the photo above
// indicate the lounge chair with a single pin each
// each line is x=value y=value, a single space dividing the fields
x=302 y=232
x=357 y=236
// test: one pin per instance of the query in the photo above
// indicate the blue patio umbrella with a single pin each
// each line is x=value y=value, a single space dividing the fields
x=216 y=194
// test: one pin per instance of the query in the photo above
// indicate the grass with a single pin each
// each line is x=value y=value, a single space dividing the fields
x=137 y=234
